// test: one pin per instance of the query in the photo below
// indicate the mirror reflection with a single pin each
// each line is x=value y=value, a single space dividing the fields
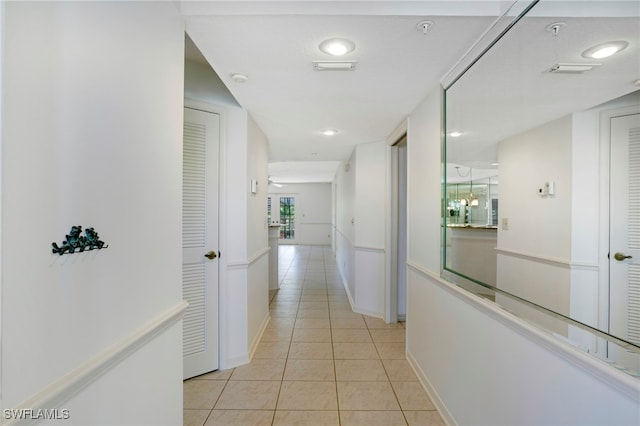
x=542 y=176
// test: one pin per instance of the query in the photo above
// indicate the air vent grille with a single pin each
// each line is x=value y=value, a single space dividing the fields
x=563 y=68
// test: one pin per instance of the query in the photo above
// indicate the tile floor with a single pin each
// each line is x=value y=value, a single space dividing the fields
x=318 y=362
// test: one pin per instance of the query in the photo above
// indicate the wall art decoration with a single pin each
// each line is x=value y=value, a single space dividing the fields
x=75 y=241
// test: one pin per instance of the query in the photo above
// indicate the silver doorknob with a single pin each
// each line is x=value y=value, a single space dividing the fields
x=211 y=255
x=620 y=257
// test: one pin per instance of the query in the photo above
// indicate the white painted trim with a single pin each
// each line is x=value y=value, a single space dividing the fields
x=369 y=249
x=237 y=361
x=235 y=265
x=535 y=258
x=240 y=264
x=367 y=312
x=345 y=284
x=260 y=253
x=391 y=234
x=431 y=391
x=597 y=368
x=398 y=133
x=549 y=260
x=355 y=308
x=63 y=389
x=344 y=236
x=258 y=337
x=2 y=41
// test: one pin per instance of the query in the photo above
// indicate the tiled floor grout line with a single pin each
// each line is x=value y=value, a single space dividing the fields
x=308 y=278
x=273 y=418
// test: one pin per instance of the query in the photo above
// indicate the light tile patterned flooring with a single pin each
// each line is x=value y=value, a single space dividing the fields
x=318 y=362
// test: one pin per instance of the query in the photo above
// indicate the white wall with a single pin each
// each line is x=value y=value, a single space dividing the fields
x=480 y=364
x=244 y=265
x=361 y=227
x=201 y=82
x=370 y=207
x=92 y=136
x=344 y=225
x=370 y=228
x=258 y=238
x=537 y=225
x=257 y=159
x=245 y=280
x=313 y=211
x=534 y=253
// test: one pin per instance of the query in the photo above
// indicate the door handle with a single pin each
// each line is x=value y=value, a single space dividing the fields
x=620 y=257
x=211 y=255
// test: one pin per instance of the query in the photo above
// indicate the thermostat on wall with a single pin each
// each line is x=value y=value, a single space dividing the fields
x=549 y=188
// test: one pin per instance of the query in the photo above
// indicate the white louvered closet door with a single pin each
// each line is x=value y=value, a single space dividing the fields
x=624 y=231
x=200 y=237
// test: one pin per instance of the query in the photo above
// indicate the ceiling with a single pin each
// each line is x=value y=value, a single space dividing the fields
x=274 y=44
x=510 y=89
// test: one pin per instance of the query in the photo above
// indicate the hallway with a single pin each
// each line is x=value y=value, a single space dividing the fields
x=318 y=362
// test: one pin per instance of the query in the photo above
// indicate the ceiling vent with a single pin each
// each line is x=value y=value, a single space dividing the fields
x=563 y=68
x=334 y=65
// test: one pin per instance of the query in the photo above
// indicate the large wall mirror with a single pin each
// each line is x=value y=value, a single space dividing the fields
x=541 y=199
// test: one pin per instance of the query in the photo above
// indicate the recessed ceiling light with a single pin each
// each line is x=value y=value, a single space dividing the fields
x=330 y=132
x=337 y=46
x=239 y=78
x=456 y=134
x=605 y=50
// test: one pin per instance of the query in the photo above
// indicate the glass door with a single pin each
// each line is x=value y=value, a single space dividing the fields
x=287 y=220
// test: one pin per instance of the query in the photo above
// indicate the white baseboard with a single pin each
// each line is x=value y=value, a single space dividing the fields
x=435 y=398
x=237 y=361
x=256 y=340
x=354 y=307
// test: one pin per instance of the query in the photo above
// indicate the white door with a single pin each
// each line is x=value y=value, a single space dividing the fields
x=624 y=240
x=200 y=241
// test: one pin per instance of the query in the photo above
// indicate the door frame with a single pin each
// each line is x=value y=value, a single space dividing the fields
x=223 y=336
x=605 y=196
x=391 y=245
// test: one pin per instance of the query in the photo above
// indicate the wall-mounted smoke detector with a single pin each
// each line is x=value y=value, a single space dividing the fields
x=564 y=68
x=334 y=65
